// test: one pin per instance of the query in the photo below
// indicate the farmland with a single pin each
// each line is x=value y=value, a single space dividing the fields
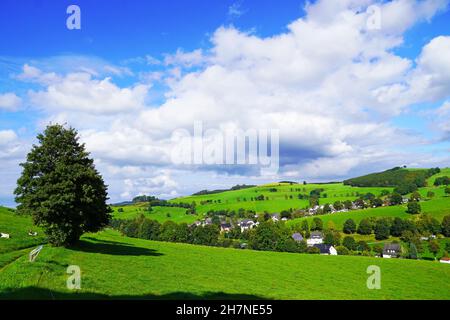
x=167 y=270
x=277 y=201
x=159 y=270
x=158 y=213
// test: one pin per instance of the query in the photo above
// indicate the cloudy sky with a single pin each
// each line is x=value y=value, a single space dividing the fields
x=352 y=86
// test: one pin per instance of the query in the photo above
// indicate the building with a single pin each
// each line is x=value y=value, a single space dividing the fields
x=392 y=250
x=225 y=227
x=247 y=224
x=297 y=237
x=326 y=249
x=275 y=217
x=315 y=238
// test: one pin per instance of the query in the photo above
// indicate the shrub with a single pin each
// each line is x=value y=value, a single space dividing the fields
x=413 y=207
x=342 y=251
x=349 y=226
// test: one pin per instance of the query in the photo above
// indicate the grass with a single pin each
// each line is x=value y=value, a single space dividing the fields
x=17 y=227
x=438 y=208
x=160 y=214
x=114 y=266
x=233 y=200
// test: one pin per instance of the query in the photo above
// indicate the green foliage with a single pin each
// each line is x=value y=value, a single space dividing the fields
x=412 y=251
x=434 y=247
x=342 y=251
x=378 y=249
x=395 y=199
x=266 y=236
x=365 y=227
x=332 y=237
x=445 y=180
x=349 y=226
x=428 y=225
x=446 y=226
x=413 y=207
x=61 y=189
x=382 y=229
x=317 y=224
x=362 y=246
x=395 y=177
x=350 y=243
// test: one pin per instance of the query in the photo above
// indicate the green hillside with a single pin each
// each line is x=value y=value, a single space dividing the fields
x=276 y=200
x=114 y=266
x=438 y=208
x=392 y=178
x=17 y=227
x=159 y=214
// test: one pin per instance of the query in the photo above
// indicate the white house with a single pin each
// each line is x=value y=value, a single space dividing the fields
x=326 y=249
x=392 y=250
x=247 y=225
x=315 y=238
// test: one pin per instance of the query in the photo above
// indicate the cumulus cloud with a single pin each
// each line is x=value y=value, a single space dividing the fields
x=80 y=92
x=329 y=84
x=10 y=101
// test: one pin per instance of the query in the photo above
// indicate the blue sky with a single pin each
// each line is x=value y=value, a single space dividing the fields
x=347 y=100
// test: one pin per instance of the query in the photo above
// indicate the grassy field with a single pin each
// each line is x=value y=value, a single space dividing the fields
x=160 y=214
x=280 y=200
x=113 y=266
x=277 y=202
x=17 y=227
x=438 y=208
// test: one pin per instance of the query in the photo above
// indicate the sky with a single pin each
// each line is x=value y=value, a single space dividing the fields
x=350 y=86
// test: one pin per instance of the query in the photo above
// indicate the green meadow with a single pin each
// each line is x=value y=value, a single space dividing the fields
x=277 y=201
x=117 y=267
x=114 y=266
x=159 y=214
x=438 y=208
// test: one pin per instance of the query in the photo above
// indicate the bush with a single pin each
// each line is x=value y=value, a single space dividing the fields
x=342 y=251
x=349 y=243
x=382 y=229
x=365 y=227
x=446 y=226
x=349 y=226
x=313 y=250
x=413 y=207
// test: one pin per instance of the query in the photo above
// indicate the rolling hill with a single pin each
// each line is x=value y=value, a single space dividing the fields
x=116 y=267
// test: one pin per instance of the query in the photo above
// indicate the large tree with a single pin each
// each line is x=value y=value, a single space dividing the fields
x=60 y=187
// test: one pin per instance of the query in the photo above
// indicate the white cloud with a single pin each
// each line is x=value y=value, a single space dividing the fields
x=80 y=92
x=185 y=59
x=10 y=101
x=327 y=83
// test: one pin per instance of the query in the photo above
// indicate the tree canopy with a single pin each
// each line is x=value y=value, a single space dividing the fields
x=60 y=187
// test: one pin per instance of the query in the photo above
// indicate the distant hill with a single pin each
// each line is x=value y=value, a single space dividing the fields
x=394 y=177
x=236 y=187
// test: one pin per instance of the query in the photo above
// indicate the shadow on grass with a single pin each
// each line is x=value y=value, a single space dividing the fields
x=35 y=293
x=112 y=248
